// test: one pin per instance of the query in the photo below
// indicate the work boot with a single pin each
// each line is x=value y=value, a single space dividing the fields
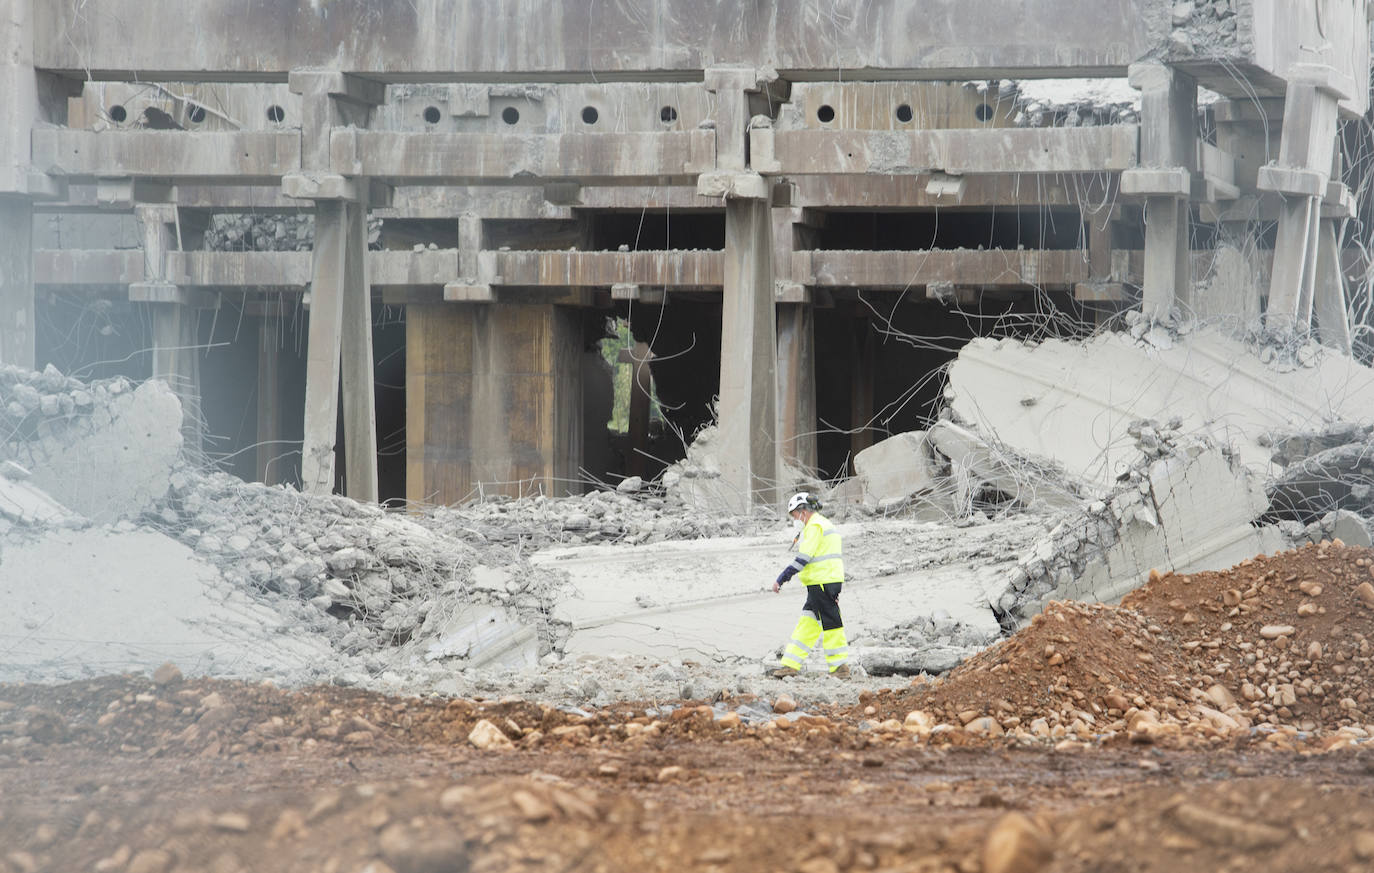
x=841 y=672
x=784 y=672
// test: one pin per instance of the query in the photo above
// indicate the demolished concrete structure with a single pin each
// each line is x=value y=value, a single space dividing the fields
x=763 y=223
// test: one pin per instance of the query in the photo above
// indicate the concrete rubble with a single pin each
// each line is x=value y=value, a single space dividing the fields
x=953 y=535
x=105 y=450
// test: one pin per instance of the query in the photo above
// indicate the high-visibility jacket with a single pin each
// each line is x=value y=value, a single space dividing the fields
x=818 y=560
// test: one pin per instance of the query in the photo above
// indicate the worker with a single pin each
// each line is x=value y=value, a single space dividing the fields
x=821 y=569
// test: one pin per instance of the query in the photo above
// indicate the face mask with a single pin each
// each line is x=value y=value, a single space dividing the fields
x=797 y=525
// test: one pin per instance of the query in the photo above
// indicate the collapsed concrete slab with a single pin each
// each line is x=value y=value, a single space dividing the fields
x=104 y=450
x=710 y=598
x=978 y=463
x=481 y=636
x=23 y=503
x=83 y=603
x=1071 y=401
x=1192 y=510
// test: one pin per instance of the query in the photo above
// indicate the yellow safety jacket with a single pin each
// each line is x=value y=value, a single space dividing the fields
x=818 y=553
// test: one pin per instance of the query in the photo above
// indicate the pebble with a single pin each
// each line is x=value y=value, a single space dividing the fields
x=1274 y=631
x=150 y=861
x=234 y=822
x=485 y=735
x=1365 y=591
x=1016 y=845
x=167 y=674
x=784 y=704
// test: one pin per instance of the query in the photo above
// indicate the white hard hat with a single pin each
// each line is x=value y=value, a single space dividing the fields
x=800 y=500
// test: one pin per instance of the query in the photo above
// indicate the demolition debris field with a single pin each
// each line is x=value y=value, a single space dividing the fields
x=1213 y=721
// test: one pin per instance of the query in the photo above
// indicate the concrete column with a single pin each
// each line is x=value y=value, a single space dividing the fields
x=797 y=383
x=359 y=401
x=270 y=448
x=341 y=301
x=1168 y=159
x=863 y=370
x=748 y=354
x=493 y=400
x=340 y=325
x=1333 y=324
x=747 y=406
x=176 y=337
x=1300 y=174
x=17 y=338
x=19 y=109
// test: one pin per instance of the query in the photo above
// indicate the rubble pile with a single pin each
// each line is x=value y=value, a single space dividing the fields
x=1274 y=648
x=1207 y=27
x=270 y=232
x=1327 y=480
x=104 y=450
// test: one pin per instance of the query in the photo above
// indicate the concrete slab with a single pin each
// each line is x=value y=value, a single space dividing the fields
x=706 y=598
x=978 y=463
x=98 y=601
x=1072 y=401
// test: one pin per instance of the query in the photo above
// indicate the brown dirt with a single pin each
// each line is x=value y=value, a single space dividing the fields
x=129 y=775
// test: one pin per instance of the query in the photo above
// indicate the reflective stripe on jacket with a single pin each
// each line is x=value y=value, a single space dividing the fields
x=818 y=553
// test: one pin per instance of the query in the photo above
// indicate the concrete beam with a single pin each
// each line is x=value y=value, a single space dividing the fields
x=902 y=270
x=677 y=269
x=963 y=152
x=254 y=157
x=674 y=157
x=466 y=40
x=17 y=326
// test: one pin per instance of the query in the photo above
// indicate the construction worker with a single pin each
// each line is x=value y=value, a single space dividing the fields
x=821 y=569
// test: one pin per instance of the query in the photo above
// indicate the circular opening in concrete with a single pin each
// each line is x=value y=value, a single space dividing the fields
x=197 y=114
x=826 y=114
x=667 y=115
x=904 y=113
x=983 y=112
x=432 y=114
x=275 y=114
x=117 y=114
x=589 y=114
x=510 y=115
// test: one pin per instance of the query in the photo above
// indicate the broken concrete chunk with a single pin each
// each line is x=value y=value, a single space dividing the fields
x=897 y=468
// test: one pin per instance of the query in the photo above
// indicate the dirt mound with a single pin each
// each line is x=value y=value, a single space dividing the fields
x=1288 y=636
x=1282 y=641
x=1076 y=669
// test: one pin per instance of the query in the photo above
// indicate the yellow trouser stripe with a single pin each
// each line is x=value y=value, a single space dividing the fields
x=836 y=647
x=804 y=638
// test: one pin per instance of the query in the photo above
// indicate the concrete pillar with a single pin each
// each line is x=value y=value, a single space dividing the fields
x=19 y=109
x=340 y=328
x=1300 y=174
x=17 y=338
x=1333 y=324
x=862 y=373
x=747 y=405
x=748 y=355
x=797 y=383
x=341 y=301
x=175 y=317
x=270 y=447
x=493 y=400
x=1168 y=159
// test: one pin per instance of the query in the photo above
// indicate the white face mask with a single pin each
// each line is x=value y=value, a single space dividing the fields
x=797 y=524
